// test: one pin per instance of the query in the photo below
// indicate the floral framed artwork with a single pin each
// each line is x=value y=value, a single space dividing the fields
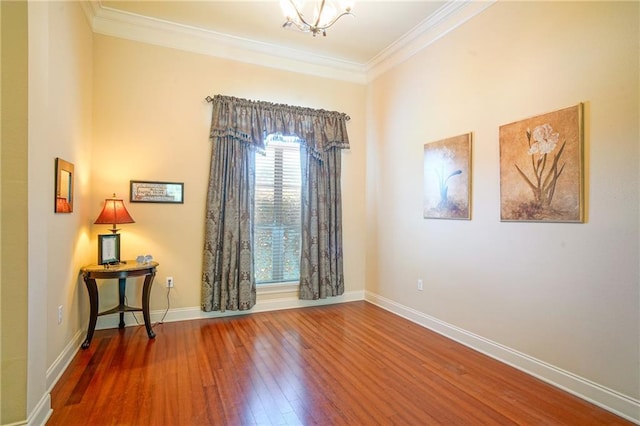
x=541 y=168
x=447 y=178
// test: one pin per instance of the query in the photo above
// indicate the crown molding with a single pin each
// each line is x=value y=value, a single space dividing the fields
x=446 y=19
x=111 y=22
x=130 y=26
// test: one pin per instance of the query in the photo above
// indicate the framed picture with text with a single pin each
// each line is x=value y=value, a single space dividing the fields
x=156 y=192
x=108 y=249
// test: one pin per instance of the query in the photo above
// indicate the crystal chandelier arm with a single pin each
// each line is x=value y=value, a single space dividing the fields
x=301 y=23
x=319 y=14
x=333 y=21
x=302 y=26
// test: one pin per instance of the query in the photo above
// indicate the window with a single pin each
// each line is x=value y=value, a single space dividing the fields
x=277 y=212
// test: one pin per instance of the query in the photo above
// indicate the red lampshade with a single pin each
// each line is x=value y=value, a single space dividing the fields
x=114 y=212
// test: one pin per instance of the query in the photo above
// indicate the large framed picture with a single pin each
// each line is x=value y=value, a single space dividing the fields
x=541 y=168
x=156 y=192
x=108 y=249
x=447 y=178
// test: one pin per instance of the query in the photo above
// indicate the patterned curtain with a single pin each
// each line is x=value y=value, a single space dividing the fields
x=238 y=130
x=227 y=278
x=321 y=272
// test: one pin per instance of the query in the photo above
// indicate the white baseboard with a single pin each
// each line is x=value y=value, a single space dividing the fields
x=41 y=413
x=64 y=359
x=195 y=312
x=619 y=404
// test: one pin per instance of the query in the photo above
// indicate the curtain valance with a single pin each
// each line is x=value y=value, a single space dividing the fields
x=251 y=121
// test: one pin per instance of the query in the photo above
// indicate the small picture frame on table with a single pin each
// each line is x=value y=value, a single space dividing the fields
x=108 y=249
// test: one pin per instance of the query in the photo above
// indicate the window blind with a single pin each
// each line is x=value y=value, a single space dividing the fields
x=277 y=212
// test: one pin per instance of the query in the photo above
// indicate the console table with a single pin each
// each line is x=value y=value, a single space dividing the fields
x=121 y=271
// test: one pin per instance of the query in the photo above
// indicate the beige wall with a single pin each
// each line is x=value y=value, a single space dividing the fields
x=565 y=294
x=1 y=369
x=62 y=108
x=151 y=122
x=60 y=111
x=13 y=224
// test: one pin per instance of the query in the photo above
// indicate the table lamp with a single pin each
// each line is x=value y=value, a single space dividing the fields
x=114 y=212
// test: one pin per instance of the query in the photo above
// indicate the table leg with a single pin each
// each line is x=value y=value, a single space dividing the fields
x=92 y=289
x=122 y=286
x=146 y=292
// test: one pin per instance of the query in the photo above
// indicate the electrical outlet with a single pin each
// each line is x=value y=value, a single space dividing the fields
x=60 y=314
x=169 y=282
x=420 y=285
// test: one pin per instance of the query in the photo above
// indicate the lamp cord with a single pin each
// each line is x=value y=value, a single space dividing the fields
x=163 y=315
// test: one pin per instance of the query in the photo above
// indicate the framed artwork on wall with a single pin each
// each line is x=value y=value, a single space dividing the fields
x=541 y=168
x=447 y=178
x=156 y=192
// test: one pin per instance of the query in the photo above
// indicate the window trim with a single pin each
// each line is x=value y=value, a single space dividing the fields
x=277 y=288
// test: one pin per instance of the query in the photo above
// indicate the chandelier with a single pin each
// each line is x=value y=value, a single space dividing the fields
x=325 y=14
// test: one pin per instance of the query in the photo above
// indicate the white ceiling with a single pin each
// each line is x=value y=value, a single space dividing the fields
x=357 y=48
x=358 y=39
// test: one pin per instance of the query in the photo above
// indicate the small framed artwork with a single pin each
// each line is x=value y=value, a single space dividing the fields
x=156 y=192
x=447 y=178
x=541 y=168
x=108 y=249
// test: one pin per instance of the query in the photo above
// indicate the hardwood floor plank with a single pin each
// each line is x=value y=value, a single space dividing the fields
x=336 y=369
x=347 y=364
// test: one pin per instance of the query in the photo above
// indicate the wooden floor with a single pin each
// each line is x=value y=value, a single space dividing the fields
x=347 y=364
